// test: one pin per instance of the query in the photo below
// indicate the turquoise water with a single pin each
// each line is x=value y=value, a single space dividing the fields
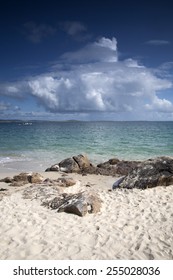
x=37 y=145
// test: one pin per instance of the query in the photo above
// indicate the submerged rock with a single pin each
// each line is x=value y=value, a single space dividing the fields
x=150 y=173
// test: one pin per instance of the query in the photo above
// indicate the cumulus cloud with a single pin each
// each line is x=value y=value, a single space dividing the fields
x=37 y=32
x=104 y=50
x=160 y=105
x=95 y=80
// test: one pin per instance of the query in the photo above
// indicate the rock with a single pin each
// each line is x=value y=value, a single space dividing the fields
x=77 y=164
x=60 y=182
x=79 y=204
x=150 y=173
x=24 y=178
x=81 y=164
x=118 y=182
x=69 y=165
x=35 y=178
x=21 y=177
x=17 y=184
x=66 y=182
x=54 y=167
x=114 y=161
x=124 y=167
x=6 y=180
x=115 y=167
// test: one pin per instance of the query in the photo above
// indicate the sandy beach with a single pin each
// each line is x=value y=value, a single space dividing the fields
x=132 y=224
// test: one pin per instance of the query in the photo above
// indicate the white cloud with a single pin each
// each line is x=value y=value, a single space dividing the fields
x=95 y=81
x=160 y=105
x=104 y=50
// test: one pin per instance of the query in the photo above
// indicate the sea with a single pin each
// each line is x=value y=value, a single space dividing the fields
x=36 y=145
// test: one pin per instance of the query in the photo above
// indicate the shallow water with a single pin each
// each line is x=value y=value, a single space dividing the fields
x=37 y=145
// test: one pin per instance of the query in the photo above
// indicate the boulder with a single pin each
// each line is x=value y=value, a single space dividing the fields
x=116 y=167
x=78 y=164
x=69 y=165
x=82 y=161
x=79 y=204
x=150 y=173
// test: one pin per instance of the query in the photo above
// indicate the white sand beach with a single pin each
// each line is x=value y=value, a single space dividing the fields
x=132 y=224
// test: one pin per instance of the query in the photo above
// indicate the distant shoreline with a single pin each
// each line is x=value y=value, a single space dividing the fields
x=80 y=121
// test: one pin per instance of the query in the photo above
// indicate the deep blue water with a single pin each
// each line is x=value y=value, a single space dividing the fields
x=37 y=145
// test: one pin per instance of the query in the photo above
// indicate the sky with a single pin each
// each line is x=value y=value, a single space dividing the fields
x=86 y=60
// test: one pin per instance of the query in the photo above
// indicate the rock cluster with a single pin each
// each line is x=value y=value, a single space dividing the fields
x=23 y=178
x=149 y=174
x=81 y=164
x=79 y=204
x=141 y=175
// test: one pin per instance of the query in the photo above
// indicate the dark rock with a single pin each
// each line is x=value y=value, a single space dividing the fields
x=69 y=165
x=124 y=167
x=114 y=161
x=6 y=180
x=150 y=173
x=118 y=182
x=81 y=164
x=76 y=164
x=79 y=204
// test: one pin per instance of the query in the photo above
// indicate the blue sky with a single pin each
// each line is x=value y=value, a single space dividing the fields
x=92 y=60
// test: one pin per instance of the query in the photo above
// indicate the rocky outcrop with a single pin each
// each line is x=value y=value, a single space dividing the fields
x=116 y=167
x=76 y=164
x=81 y=164
x=149 y=174
x=79 y=204
x=23 y=178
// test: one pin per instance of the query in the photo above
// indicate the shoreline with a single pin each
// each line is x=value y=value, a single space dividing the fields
x=132 y=224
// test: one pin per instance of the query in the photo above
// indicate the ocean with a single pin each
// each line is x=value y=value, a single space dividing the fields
x=34 y=146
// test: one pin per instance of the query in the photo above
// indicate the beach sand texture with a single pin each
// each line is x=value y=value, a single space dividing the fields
x=132 y=224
